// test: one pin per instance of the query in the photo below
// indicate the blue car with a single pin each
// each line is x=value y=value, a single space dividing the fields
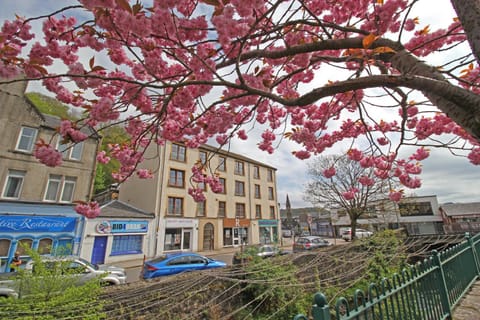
x=173 y=263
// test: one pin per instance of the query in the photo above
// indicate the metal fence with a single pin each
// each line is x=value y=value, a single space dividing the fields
x=428 y=290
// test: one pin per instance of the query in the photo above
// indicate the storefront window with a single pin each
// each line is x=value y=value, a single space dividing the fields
x=130 y=244
x=4 y=248
x=227 y=237
x=24 y=244
x=173 y=238
x=45 y=246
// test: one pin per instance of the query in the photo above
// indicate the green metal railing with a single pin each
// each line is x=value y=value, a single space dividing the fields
x=428 y=290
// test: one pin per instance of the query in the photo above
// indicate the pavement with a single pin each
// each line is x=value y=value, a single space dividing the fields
x=469 y=306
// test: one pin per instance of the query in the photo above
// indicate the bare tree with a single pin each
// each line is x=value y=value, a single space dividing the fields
x=338 y=181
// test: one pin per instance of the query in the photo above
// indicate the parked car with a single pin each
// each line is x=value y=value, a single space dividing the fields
x=263 y=251
x=83 y=269
x=286 y=233
x=75 y=268
x=359 y=234
x=310 y=243
x=173 y=263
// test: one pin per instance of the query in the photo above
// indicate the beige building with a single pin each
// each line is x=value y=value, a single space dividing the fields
x=245 y=212
x=36 y=201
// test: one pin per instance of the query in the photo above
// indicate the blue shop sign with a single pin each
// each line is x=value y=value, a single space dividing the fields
x=37 y=224
x=122 y=227
x=268 y=223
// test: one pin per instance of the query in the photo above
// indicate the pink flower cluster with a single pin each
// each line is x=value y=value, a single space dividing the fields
x=89 y=210
x=47 y=155
x=68 y=130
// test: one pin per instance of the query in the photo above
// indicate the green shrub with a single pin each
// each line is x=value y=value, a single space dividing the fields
x=52 y=292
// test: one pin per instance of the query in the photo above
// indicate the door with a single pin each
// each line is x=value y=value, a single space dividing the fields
x=236 y=237
x=208 y=237
x=99 y=248
x=187 y=239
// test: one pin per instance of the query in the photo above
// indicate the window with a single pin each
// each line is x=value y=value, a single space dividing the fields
x=130 y=244
x=175 y=206
x=45 y=246
x=178 y=153
x=202 y=186
x=224 y=185
x=60 y=188
x=24 y=244
x=222 y=209
x=26 y=139
x=222 y=164
x=240 y=210
x=239 y=168
x=258 y=211
x=177 y=178
x=270 y=193
x=272 y=212
x=68 y=188
x=201 y=208
x=203 y=157
x=13 y=186
x=239 y=188
x=270 y=175
x=72 y=151
x=256 y=172
x=4 y=247
x=257 y=191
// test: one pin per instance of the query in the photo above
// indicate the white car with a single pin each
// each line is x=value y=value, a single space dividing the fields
x=359 y=234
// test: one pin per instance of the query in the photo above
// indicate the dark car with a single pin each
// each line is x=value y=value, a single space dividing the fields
x=262 y=251
x=310 y=243
x=173 y=263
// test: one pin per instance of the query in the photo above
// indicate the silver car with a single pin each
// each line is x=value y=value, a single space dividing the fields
x=359 y=234
x=310 y=243
x=84 y=270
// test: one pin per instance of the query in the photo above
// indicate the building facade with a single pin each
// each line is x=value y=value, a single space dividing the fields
x=461 y=217
x=119 y=233
x=245 y=212
x=418 y=215
x=34 y=195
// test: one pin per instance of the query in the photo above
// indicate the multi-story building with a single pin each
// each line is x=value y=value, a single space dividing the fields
x=245 y=212
x=36 y=208
x=418 y=215
x=461 y=217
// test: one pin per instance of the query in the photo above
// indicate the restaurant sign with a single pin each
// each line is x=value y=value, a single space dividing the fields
x=36 y=224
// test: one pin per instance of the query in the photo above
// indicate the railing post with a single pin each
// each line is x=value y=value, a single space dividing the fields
x=443 y=290
x=474 y=252
x=320 y=308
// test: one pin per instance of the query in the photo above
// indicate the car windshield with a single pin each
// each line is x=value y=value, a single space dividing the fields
x=87 y=263
x=158 y=259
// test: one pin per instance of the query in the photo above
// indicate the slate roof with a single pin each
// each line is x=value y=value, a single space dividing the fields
x=119 y=209
x=461 y=209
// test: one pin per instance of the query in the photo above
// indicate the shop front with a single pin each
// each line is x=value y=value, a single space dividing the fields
x=235 y=232
x=119 y=233
x=268 y=231
x=46 y=228
x=180 y=234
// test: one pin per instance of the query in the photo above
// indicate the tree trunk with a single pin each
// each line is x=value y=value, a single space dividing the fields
x=468 y=12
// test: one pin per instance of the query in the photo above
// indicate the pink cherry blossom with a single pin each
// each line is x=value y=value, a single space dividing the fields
x=395 y=196
x=89 y=210
x=330 y=172
x=144 y=173
x=47 y=155
x=102 y=157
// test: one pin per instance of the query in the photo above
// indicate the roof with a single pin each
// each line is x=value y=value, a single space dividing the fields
x=120 y=209
x=54 y=122
x=37 y=208
x=461 y=209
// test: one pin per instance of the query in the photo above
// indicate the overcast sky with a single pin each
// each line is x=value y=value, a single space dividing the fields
x=450 y=178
